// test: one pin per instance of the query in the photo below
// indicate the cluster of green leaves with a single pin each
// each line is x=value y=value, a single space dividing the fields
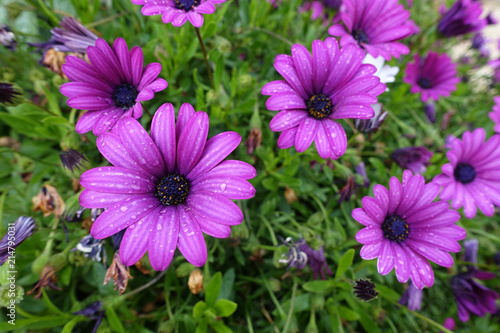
x=253 y=291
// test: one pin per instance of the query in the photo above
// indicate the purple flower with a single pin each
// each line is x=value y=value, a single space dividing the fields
x=495 y=114
x=470 y=179
x=371 y=125
x=335 y=4
x=430 y=110
x=73 y=160
x=361 y=170
x=17 y=233
x=376 y=26
x=316 y=259
x=414 y=158
x=412 y=297
x=93 y=312
x=490 y=19
x=8 y=93
x=479 y=43
x=178 y=12
x=404 y=228
x=364 y=290
x=7 y=37
x=470 y=295
x=319 y=89
x=111 y=87
x=434 y=76
x=462 y=18
x=449 y=323
x=166 y=189
x=295 y=257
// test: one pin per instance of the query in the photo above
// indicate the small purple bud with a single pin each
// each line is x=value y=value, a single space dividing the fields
x=7 y=37
x=414 y=158
x=430 y=110
x=21 y=229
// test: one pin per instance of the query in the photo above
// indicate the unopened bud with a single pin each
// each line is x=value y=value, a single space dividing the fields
x=195 y=282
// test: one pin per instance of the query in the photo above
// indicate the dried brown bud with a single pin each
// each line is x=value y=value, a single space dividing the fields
x=48 y=201
x=195 y=282
x=54 y=60
x=119 y=273
x=48 y=278
x=290 y=195
x=254 y=140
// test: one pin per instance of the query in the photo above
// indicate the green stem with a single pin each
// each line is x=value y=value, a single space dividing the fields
x=290 y=311
x=270 y=33
x=106 y=20
x=271 y=294
x=147 y=285
x=209 y=70
x=424 y=318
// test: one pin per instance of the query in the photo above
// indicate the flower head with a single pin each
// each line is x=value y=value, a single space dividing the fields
x=167 y=189
x=48 y=201
x=7 y=37
x=364 y=290
x=92 y=248
x=495 y=114
x=316 y=259
x=178 y=12
x=470 y=295
x=22 y=229
x=470 y=180
x=376 y=26
x=412 y=297
x=7 y=93
x=404 y=228
x=462 y=18
x=433 y=76
x=73 y=160
x=295 y=257
x=94 y=312
x=111 y=87
x=414 y=158
x=319 y=89
x=371 y=125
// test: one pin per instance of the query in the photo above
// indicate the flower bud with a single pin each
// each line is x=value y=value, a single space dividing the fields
x=195 y=282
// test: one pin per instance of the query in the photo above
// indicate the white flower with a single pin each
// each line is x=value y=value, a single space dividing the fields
x=385 y=73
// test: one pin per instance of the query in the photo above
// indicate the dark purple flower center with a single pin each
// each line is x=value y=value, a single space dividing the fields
x=464 y=173
x=360 y=36
x=319 y=106
x=395 y=228
x=173 y=189
x=186 y=5
x=364 y=289
x=424 y=82
x=124 y=96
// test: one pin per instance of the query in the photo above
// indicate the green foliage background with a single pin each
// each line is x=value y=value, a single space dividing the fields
x=242 y=38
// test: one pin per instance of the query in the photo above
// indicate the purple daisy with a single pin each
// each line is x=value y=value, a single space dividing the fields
x=495 y=114
x=178 y=12
x=166 y=189
x=404 y=228
x=112 y=86
x=376 y=26
x=462 y=18
x=434 y=76
x=319 y=89
x=414 y=158
x=471 y=178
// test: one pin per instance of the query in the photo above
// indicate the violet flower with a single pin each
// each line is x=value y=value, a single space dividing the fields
x=462 y=18
x=430 y=110
x=414 y=158
x=404 y=228
x=375 y=25
x=433 y=76
x=495 y=114
x=91 y=248
x=371 y=125
x=167 y=189
x=7 y=37
x=469 y=180
x=15 y=235
x=111 y=87
x=479 y=43
x=7 y=93
x=317 y=260
x=331 y=84
x=295 y=257
x=470 y=295
x=412 y=297
x=178 y=12
x=93 y=312
x=364 y=290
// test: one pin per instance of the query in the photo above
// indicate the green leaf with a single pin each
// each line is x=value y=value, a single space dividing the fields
x=210 y=30
x=212 y=289
x=35 y=322
x=68 y=328
x=219 y=327
x=319 y=286
x=225 y=308
x=344 y=263
x=199 y=308
x=348 y=314
x=113 y=320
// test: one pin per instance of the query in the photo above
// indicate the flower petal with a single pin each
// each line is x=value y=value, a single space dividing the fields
x=234 y=168
x=370 y=235
x=385 y=261
x=192 y=142
x=94 y=199
x=116 y=180
x=191 y=242
x=231 y=187
x=163 y=239
x=163 y=134
x=306 y=133
x=215 y=207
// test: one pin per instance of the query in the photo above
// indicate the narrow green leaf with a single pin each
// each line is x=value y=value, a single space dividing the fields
x=212 y=289
x=344 y=263
x=113 y=320
x=319 y=286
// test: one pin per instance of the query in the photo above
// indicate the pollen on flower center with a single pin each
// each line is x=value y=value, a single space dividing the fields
x=424 y=83
x=395 y=228
x=319 y=106
x=360 y=36
x=124 y=96
x=186 y=5
x=173 y=189
x=464 y=173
